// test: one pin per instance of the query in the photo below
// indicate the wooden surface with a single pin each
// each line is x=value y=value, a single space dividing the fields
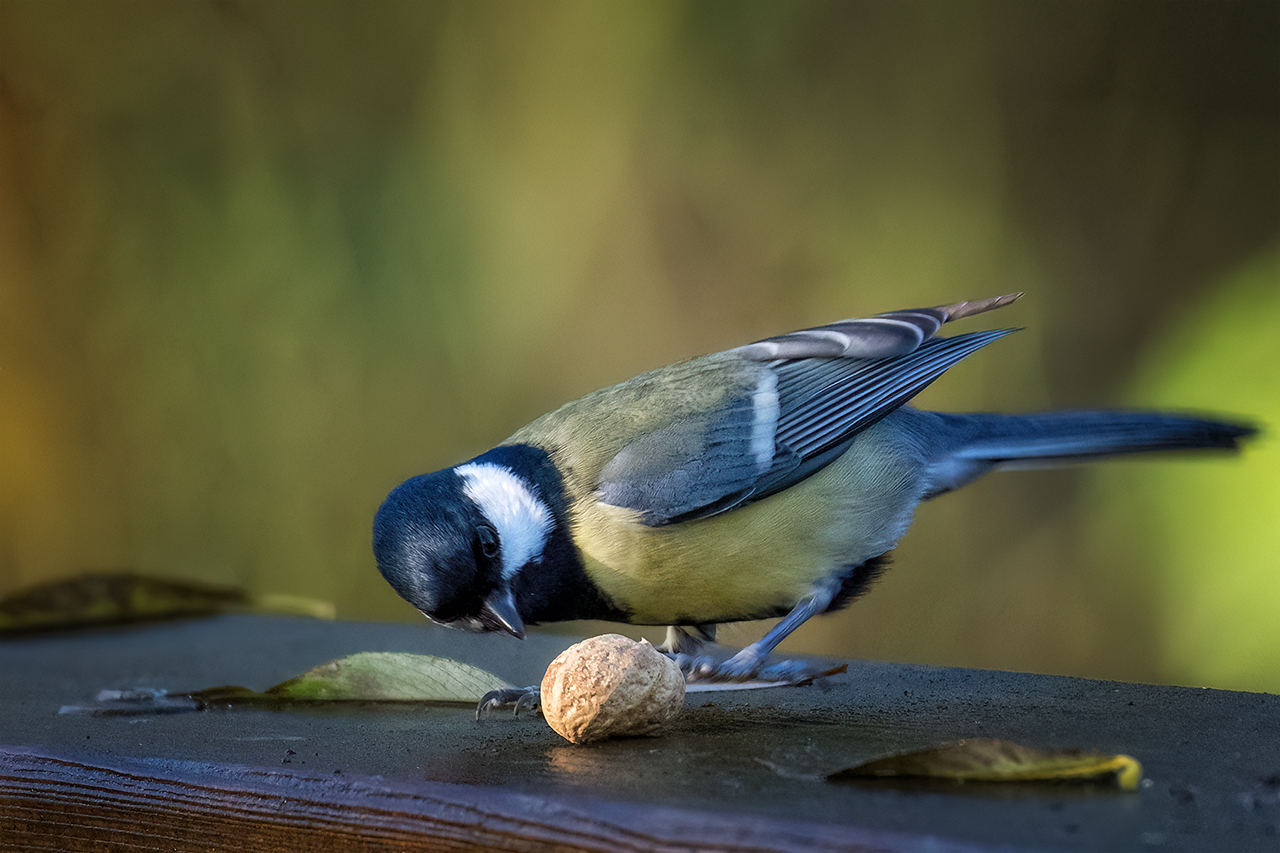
x=53 y=804
x=736 y=772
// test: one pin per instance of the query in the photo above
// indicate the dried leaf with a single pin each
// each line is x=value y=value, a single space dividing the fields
x=992 y=760
x=95 y=600
x=363 y=677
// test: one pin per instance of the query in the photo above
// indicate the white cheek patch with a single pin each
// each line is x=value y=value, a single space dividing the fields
x=523 y=522
x=764 y=423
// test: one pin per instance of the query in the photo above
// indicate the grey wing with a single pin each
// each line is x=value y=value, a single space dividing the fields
x=881 y=336
x=692 y=468
x=808 y=404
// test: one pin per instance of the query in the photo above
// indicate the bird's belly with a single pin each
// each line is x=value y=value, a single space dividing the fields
x=757 y=561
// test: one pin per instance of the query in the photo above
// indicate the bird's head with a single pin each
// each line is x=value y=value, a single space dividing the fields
x=452 y=542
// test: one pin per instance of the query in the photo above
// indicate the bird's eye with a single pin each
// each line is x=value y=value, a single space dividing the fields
x=488 y=540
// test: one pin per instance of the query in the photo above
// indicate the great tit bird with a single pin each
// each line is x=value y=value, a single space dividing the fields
x=767 y=480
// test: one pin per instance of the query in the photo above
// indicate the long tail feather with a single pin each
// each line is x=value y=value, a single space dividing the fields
x=961 y=448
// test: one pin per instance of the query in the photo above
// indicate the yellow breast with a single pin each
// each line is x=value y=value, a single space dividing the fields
x=758 y=560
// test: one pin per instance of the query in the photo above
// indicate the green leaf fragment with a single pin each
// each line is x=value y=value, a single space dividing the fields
x=390 y=677
x=992 y=760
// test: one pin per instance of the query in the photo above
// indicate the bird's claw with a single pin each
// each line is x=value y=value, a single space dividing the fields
x=520 y=698
x=693 y=666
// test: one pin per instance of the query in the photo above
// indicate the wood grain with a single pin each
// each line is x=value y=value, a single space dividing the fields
x=50 y=803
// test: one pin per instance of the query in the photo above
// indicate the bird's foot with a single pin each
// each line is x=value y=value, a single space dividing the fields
x=520 y=698
x=749 y=666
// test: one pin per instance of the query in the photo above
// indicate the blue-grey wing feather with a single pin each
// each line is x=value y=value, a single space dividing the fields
x=828 y=389
x=881 y=336
x=886 y=335
x=684 y=468
x=827 y=402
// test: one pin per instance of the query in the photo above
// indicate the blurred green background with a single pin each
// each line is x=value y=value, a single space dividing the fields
x=261 y=261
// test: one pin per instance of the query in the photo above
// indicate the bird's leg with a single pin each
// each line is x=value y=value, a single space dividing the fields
x=749 y=663
x=681 y=642
x=689 y=651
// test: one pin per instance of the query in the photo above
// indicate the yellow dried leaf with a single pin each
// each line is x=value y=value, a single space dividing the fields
x=992 y=760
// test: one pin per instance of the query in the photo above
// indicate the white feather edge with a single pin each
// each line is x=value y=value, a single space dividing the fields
x=764 y=423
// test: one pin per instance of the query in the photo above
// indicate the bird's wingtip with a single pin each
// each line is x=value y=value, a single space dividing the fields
x=959 y=310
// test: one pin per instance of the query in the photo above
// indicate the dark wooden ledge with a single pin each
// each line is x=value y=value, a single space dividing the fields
x=737 y=771
x=188 y=806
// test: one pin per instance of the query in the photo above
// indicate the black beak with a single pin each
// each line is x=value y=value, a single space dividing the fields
x=499 y=613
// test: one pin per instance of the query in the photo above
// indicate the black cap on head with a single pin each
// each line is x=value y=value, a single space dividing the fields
x=429 y=542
